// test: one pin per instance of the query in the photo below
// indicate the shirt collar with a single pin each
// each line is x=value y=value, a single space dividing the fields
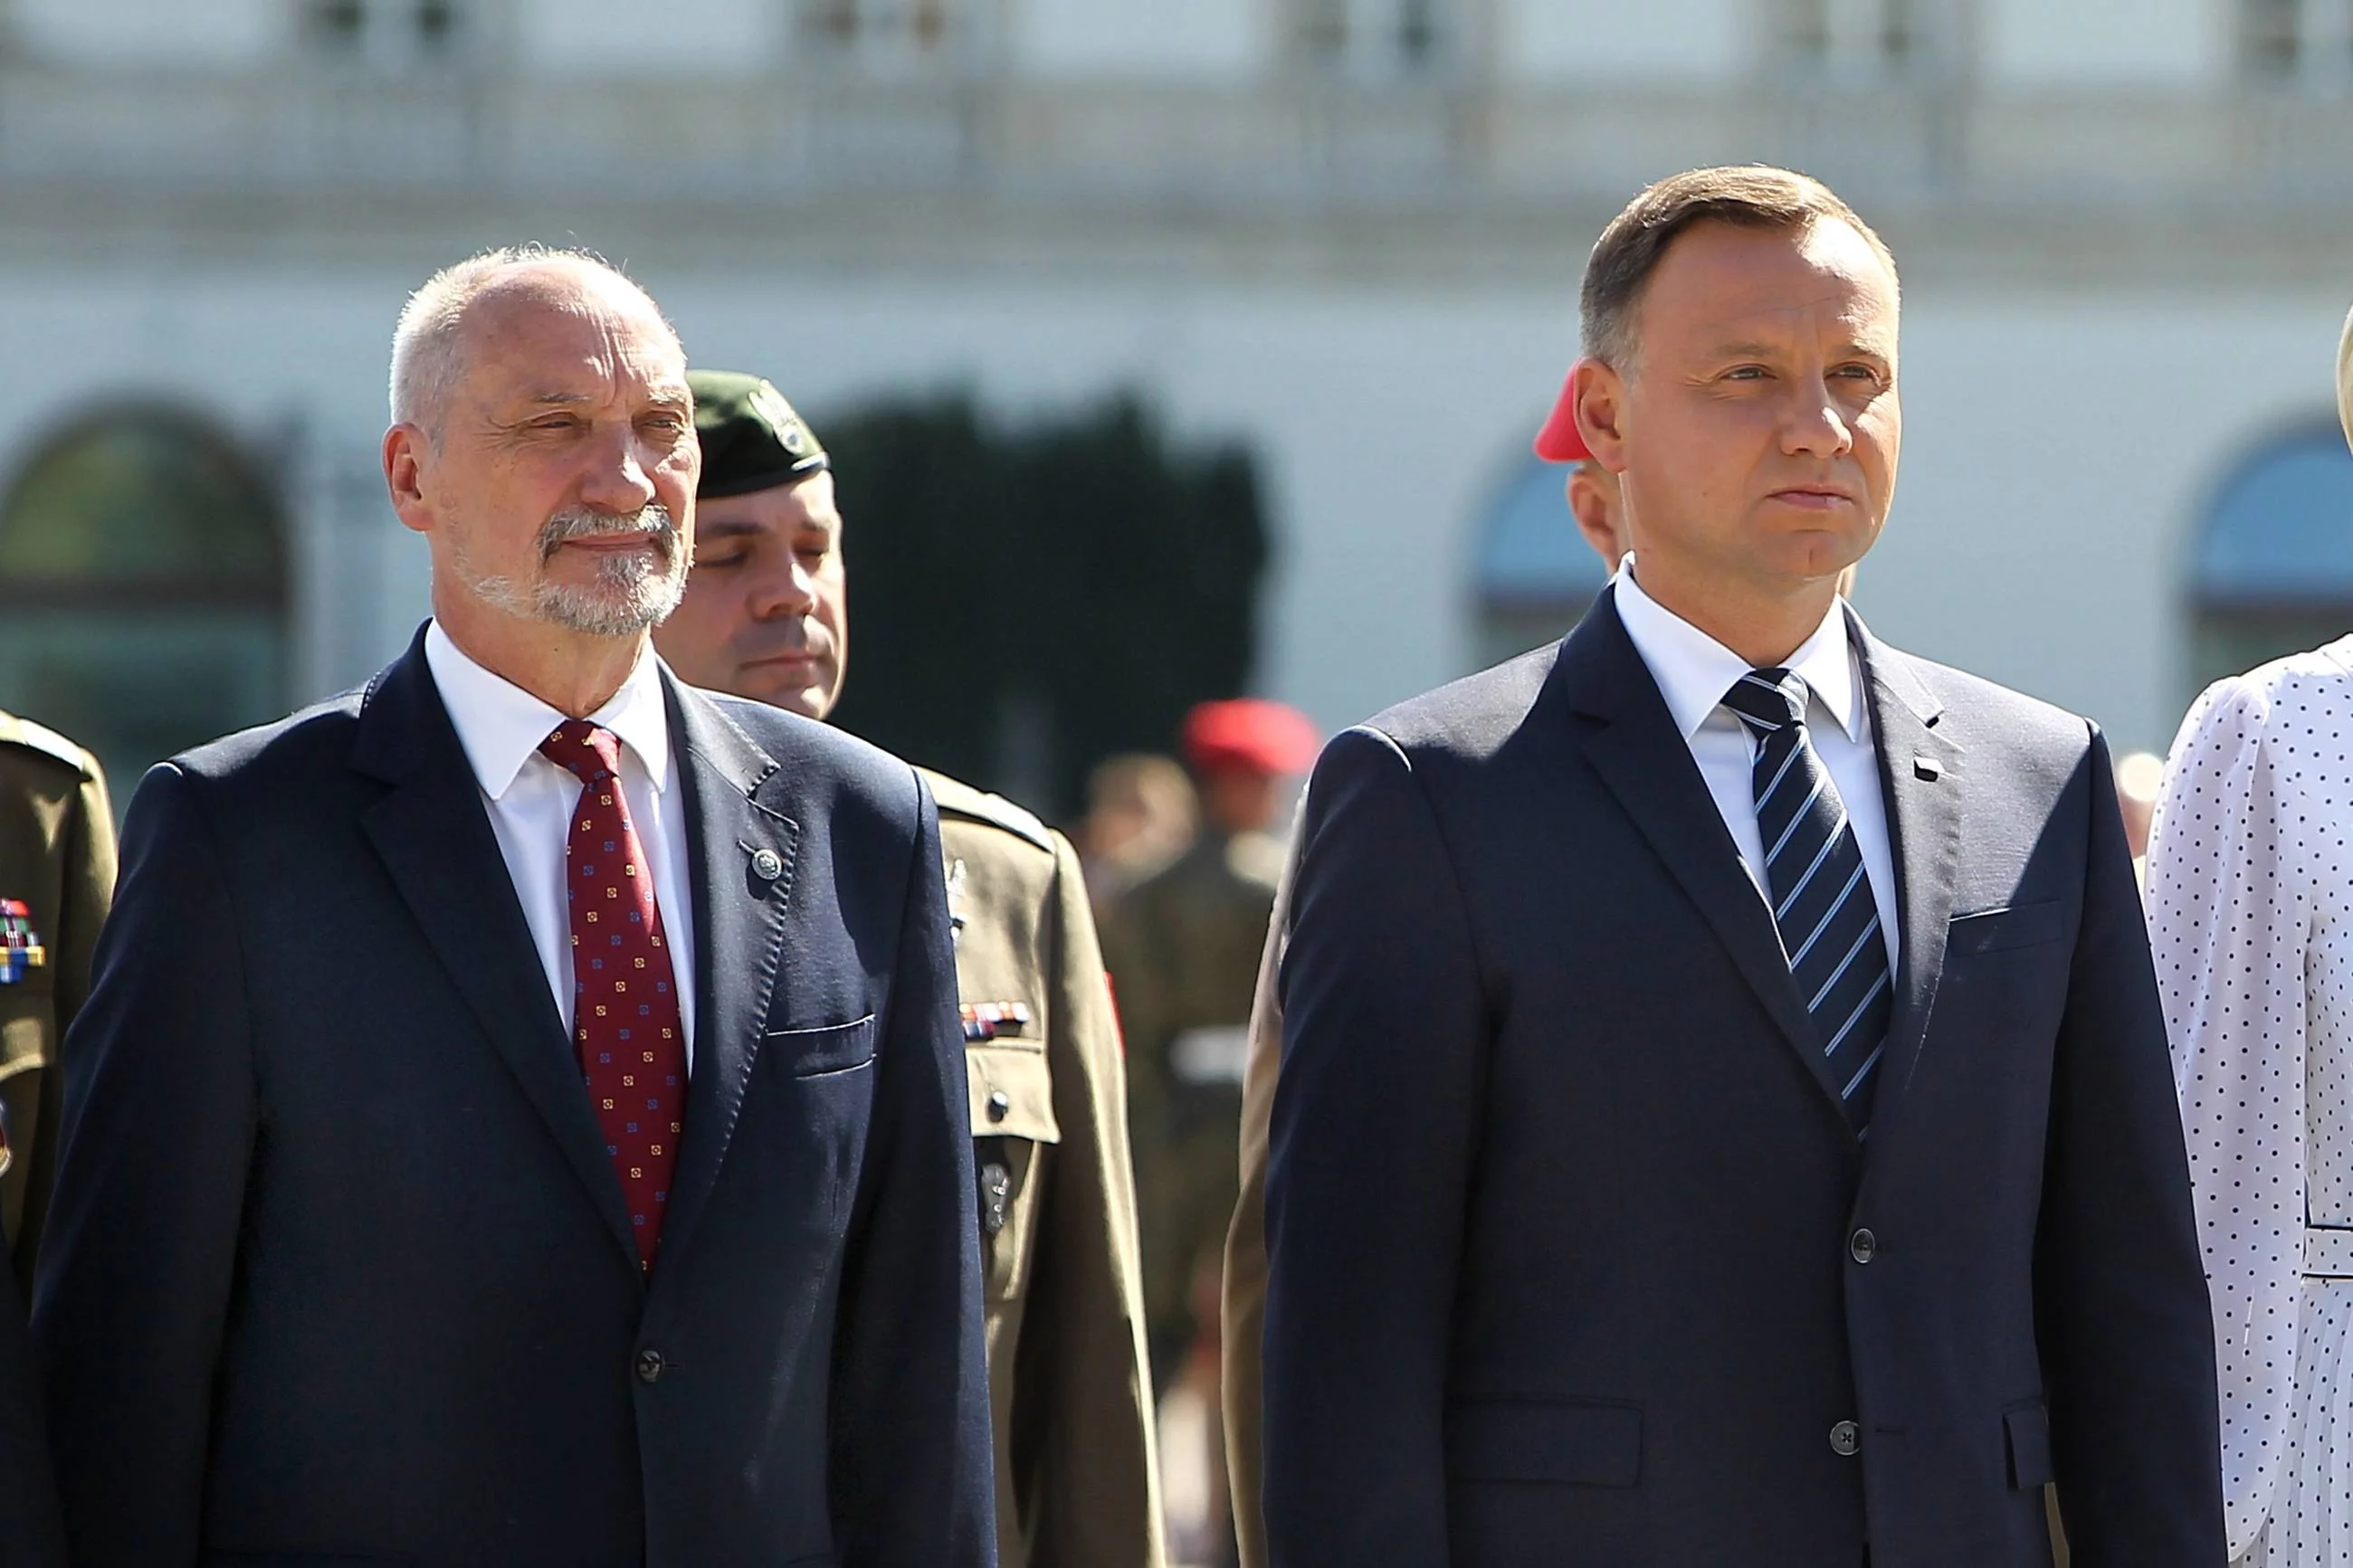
x=1693 y=670
x=500 y=725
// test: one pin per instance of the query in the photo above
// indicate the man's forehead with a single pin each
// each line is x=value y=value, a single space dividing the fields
x=558 y=357
x=1734 y=285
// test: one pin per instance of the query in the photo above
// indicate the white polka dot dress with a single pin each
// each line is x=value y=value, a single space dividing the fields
x=2250 y=885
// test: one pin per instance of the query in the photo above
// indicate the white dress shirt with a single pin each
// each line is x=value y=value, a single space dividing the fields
x=1694 y=671
x=530 y=801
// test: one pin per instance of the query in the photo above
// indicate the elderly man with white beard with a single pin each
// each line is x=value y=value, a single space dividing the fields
x=519 y=1117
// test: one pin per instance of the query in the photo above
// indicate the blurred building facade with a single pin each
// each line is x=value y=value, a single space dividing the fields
x=1348 y=231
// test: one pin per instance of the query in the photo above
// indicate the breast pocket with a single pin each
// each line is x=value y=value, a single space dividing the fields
x=1012 y=1094
x=820 y=1092
x=1998 y=931
x=818 y=1053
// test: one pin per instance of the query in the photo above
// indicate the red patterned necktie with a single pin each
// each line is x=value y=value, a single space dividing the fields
x=625 y=1017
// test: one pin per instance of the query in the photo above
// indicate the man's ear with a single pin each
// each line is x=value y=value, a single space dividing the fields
x=1599 y=398
x=406 y=455
x=1591 y=505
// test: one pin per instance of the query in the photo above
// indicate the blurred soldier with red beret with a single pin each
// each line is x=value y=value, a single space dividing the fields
x=1183 y=945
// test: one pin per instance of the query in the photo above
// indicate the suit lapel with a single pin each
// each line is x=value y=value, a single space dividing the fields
x=1921 y=774
x=1648 y=766
x=434 y=837
x=740 y=852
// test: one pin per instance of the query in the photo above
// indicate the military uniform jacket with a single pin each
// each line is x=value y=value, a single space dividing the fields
x=57 y=858
x=1076 y=1480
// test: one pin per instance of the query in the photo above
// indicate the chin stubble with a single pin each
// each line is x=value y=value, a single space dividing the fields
x=627 y=595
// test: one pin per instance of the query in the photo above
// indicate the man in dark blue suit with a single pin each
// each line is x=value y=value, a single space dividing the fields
x=519 y=1115
x=1724 y=1115
x=29 y=1535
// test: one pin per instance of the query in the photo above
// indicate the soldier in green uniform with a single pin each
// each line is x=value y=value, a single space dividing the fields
x=56 y=879
x=1184 y=945
x=764 y=617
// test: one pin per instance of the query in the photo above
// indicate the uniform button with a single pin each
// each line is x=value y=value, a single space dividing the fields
x=650 y=1366
x=1863 y=1245
x=1000 y=1106
x=1845 y=1439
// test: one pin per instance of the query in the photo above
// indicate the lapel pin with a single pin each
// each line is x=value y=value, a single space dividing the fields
x=767 y=865
x=1927 y=769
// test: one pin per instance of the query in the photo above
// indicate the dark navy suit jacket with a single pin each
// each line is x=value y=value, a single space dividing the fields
x=29 y=1535
x=338 y=1271
x=1569 y=1260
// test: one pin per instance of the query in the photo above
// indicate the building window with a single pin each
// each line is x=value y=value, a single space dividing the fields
x=1378 y=40
x=1535 y=575
x=391 y=34
x=2271 y=569
x=1856 y=38
x=143 y=589
x=891 y=36
x=2297 y=40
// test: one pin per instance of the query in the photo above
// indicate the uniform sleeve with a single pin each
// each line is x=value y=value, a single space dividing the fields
x=88 y=855
x=1098 y=1489
x=912 y=1478
x=1244 y=1319
x=2230 y=913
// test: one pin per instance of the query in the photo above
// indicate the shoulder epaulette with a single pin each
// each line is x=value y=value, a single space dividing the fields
x=16 y=732
x=958 y=799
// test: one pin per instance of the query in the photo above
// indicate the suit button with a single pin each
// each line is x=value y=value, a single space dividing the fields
x=1000 y=1106
x=1862 y=1246
x=1845 y=1439
x=650 y=1366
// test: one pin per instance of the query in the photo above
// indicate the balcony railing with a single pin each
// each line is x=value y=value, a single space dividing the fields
x=1287 y=144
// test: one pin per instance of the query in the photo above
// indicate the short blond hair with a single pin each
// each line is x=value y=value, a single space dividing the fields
x=427 y=357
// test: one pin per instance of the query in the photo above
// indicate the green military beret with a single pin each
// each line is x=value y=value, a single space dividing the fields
x=751 y=439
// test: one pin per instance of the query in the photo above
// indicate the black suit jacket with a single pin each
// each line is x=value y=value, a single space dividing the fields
x=338 y=1270
x=1567 y=1227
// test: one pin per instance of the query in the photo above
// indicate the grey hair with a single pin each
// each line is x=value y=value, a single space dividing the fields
x=428 y=361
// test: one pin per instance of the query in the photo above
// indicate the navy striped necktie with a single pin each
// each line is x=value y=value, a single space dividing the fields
x=1823 y=902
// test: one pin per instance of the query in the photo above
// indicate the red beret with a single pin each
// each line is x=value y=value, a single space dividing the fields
x=1560 y=441
x=1249 y=733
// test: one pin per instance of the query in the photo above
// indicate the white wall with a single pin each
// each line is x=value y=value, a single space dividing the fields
x=2059 y=447
x=617 y=37
x=2058 y=455
x=2105 y=43
x=1569 y=41
x=1212 y=39
x=152 y=32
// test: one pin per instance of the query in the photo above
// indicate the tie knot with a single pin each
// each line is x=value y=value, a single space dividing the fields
x=590 y=752
x=1768 y=699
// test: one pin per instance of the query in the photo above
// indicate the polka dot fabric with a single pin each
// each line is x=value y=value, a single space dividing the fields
x=624 y=1013
x=2249 y=888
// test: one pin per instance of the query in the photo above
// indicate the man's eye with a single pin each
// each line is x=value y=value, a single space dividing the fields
x=720 y=562
x=1746 y=373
